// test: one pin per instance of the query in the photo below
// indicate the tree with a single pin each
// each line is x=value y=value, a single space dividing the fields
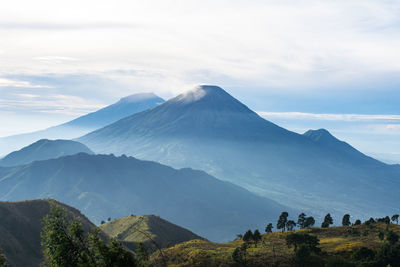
x=239 y=254
x=357 y=222
x=142 y=254
x=248 y=236
x=109 y=219
x=256 y=236
x=346 y=220
x=269 y=227
x=370 y=222
x=282 y=221
x=301 y=220
x=297 y=239
x=3 y=259
x=66 y=244
x=395 y=218
x=327 y=221
x=310 y=221
x=363 y=253
x=387 y=220
x=290 y=225
x=392 y=237
x=381 y=235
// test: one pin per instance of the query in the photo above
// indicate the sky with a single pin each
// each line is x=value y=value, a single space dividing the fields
x=301 y=64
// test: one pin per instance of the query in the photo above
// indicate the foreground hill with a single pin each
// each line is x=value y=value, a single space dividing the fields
x=42 y=150
x=124 y=107
x=208 y=129
x=147 y=229
x=338 y=244
x=20 y=227
x=104 y=186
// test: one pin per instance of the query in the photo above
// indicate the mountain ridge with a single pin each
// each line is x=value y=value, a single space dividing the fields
x=189 y=198
x=139 y=229
x=208 y=129
x=124 y=107
x=43 y=149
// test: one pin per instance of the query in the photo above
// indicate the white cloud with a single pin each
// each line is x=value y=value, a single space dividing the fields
x=331 y=117
x=287 y=44
x=13 y=83
x=50 y=104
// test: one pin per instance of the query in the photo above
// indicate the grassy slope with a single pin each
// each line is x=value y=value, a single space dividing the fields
x=130 y=230
x=20 y=227
x=272 y=249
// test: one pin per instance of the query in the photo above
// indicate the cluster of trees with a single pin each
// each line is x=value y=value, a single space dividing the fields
x=303 y=221
x=65 y=244
x=306 y=222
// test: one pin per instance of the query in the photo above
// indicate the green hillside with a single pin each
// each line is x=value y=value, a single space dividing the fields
x=20 y=227
x=338 y=244
x=145 y=229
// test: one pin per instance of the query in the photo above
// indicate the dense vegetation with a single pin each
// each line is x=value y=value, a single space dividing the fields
x=65 y=244
x=20 y=227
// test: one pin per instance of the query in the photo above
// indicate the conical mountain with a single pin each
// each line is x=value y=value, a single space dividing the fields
x=208 y=129
x=204 y=112
x=124 y=107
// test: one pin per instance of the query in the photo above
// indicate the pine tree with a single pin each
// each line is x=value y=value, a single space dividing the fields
x=327 y=221
x=256 y=237
x=248 y=236
x=346 y=220
x=282 y=221
x=301 y=220
x=310 y=221
x=395 y=218
x=269 y=227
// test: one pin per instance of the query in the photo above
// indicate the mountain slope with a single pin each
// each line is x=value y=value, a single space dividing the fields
x=208 y=129
x=139 y=229
x=105 y=186
x=124 y=107
x=20 y=228
x=42 y=150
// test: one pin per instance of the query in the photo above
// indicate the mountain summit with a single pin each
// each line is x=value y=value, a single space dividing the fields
x=124 y=107
x=208 y=129
x=206 y=112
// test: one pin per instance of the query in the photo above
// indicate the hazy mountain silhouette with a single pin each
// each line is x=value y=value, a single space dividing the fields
x=104 y=186
x=208 y=129
x=124 y=107
x=42 y=150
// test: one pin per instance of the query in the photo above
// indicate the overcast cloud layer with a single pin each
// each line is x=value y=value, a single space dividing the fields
x=61 y=59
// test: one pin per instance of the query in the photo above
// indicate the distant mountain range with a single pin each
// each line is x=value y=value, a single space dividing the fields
x=208 y=129
x=20 y=227
x=103 y=186
x=124 y=107
x=147 y=229
x=42 y=150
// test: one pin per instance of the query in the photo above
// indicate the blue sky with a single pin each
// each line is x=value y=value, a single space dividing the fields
x=302 y=64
